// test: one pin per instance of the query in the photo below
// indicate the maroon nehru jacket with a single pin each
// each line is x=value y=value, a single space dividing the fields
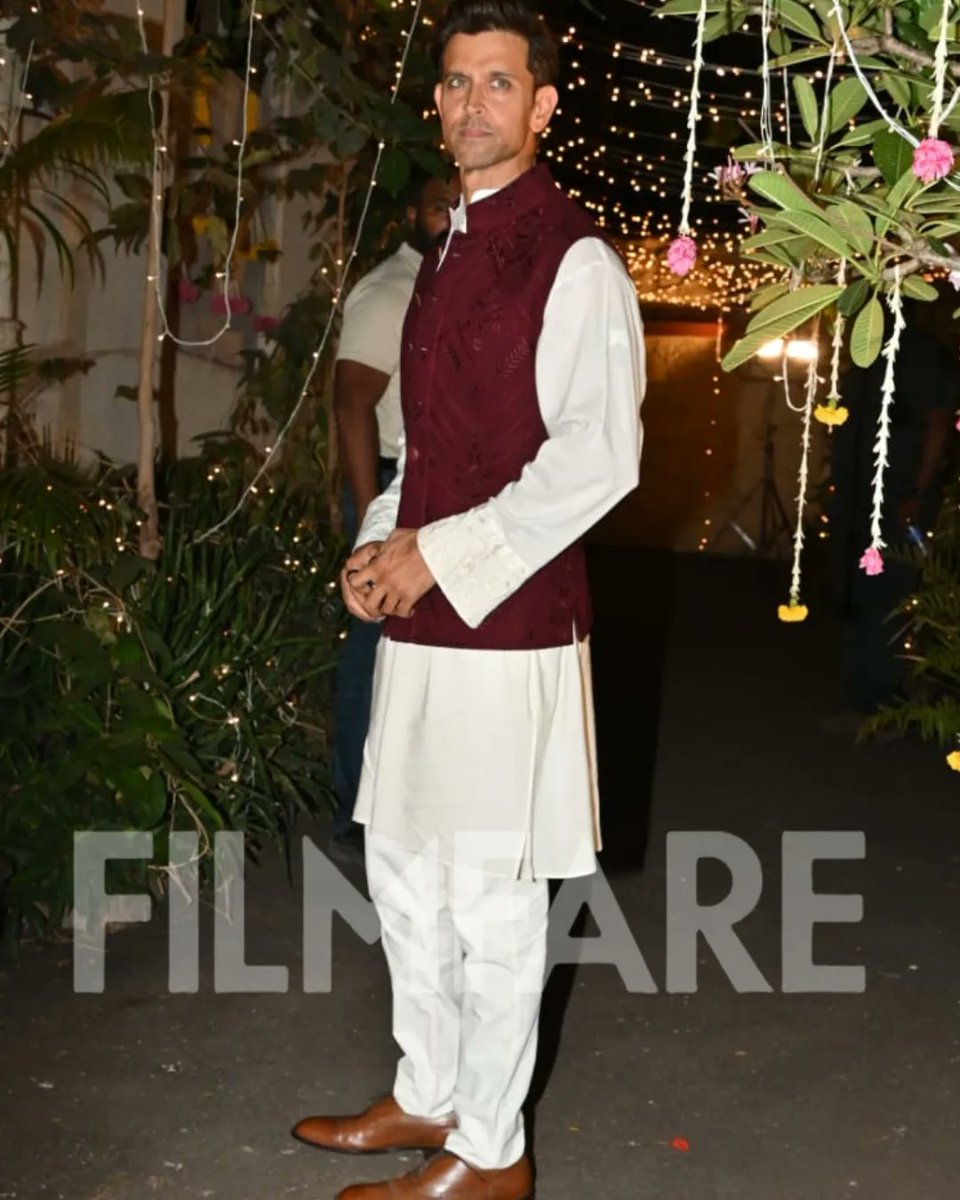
x=470 y=411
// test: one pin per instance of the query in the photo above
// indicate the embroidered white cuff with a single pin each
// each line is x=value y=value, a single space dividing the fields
x=473 y=563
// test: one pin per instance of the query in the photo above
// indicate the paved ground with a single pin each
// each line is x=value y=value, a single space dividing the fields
x=708 y=715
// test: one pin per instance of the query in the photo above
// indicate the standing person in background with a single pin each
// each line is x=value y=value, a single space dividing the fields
x=369 y=422
x=522 y=378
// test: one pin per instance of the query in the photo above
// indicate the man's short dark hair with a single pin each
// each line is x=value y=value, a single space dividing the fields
x=503 y=16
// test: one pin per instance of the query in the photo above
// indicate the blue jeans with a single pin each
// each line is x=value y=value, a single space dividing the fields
x=354 y=686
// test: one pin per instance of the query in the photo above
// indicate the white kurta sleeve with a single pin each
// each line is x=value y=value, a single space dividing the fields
x=591 y=378
x=380 y=519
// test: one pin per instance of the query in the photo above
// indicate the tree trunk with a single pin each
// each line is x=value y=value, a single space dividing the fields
x=146 y=457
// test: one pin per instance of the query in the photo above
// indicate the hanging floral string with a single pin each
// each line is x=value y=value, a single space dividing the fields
x=933 y=158
x=796 y=611
x=940 y=71
x=872 y=559
x=825 y=115
x=682 y=252
x=833 y=412
x=766 y=107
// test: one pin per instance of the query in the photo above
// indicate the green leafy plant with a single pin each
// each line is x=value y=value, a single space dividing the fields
x=190 y=692
x=933 y=625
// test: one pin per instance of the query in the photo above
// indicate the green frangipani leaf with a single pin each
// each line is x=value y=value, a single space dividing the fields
x=807 y=103
x=779 y=318
x=796 y=16
x=846 y=100
x=917 y=287
x=817 y=228
x=860 y=135
x=768 y=294
x=854 y=223
x=690 y=8
x=781 y=190
x=892 y=154
x=853 y=298
x=866 y=337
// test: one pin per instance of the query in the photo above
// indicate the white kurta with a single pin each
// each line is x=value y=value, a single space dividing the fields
x=465 y=744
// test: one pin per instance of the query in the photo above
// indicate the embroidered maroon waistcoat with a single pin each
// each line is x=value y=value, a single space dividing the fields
x=469 y=397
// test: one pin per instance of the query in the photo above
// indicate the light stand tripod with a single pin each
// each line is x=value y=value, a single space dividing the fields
x=775 y=526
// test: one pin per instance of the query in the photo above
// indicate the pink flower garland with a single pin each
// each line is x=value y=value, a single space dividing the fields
x=872 y=561
x=682 y=255
x=933 y=159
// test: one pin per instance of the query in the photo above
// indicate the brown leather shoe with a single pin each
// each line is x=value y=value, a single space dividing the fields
x=384 y=1126
x=447 y=1177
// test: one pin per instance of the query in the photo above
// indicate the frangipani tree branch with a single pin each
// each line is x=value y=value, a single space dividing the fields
x=886 y=44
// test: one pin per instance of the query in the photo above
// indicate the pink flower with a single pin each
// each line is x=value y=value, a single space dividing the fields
x=872 y=561
x=682 y=255
x=188 y=291
x=954 y=278
x=241 y=305
x=750 y=219
x=265 y=324
x=219 y=305
x=730 y=174
x=933 y=159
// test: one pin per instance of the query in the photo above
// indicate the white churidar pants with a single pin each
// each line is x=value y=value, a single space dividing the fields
x=467 y=954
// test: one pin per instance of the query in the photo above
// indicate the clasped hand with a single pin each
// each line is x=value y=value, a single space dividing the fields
x=386 y=579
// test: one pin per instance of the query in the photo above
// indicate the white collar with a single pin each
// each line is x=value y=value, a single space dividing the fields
x=458 y=218
x=458 y=215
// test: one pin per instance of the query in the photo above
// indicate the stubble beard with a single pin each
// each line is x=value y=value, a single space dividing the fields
x=480 y=154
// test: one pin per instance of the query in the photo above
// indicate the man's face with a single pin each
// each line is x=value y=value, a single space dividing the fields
x=488 y=102
x=431 y=218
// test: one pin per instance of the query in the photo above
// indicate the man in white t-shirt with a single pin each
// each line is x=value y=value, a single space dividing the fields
x=367 y=405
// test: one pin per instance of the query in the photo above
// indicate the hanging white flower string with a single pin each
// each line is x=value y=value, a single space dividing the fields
x=825 y=115
x=795 y=611
x=833 y=412
x=766 y=107
x=872 y=559
x=271 y=451
x=940 y=72
x=786 y=108
x=159 y=170
x=933 y=158
x=682 y=252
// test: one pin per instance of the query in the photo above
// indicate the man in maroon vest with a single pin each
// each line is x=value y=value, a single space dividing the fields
x=521 y=381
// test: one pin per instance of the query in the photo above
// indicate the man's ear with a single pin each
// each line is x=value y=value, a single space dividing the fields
x=545 y=103
x=437 y=93
x=411 y=215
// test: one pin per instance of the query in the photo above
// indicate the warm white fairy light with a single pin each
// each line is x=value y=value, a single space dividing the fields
x=882 y=444
x=270 y=454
